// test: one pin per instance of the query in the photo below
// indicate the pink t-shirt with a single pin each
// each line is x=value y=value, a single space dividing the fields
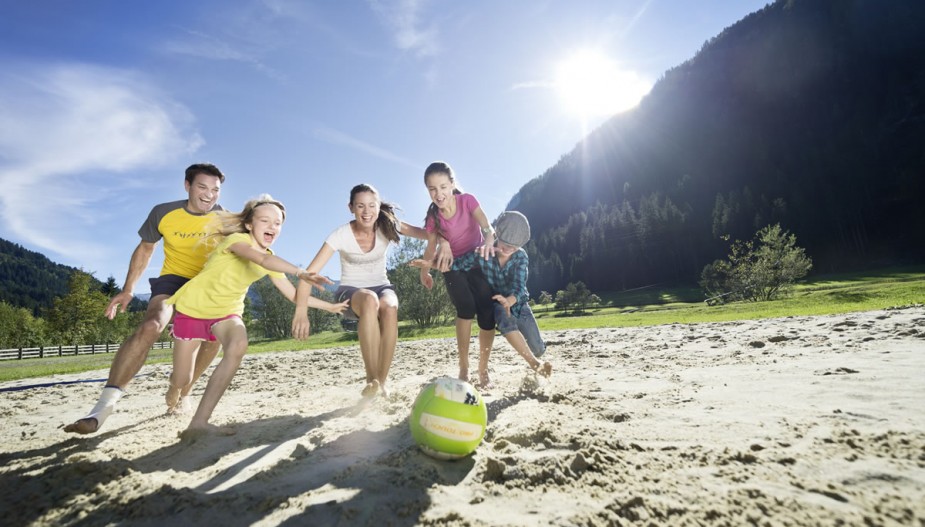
x=462 y=231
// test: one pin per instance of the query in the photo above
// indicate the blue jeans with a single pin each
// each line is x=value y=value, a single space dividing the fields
x=525 y=323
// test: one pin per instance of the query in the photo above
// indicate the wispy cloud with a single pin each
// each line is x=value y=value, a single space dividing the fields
x=256 y=33
x=297 y=18
x=532 y=85
x=336 y=137
x=199 y=44
x=70 y=137
x=628 y=28
x=209 y=47
x=404 y=20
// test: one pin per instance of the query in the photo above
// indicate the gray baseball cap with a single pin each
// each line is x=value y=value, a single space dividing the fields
x=512 y=228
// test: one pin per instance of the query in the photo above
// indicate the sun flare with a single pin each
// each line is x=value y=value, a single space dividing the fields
x=591 y=85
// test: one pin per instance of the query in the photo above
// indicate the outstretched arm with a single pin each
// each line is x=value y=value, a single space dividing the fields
x=301 y=327
x=427 y=280
x=289 y=291
x=271 y=262
x=285 y=287
x=141 y=257
x=444 y=259
x=414 y=231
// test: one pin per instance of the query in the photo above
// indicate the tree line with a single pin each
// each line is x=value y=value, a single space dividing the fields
x=29 y=279
x=758 y=269
x=75 y=318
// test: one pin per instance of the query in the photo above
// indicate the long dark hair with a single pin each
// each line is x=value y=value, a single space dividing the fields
x=433 y=169
x=387 y=221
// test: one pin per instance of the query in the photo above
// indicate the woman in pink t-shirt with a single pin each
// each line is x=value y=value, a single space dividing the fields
x=459 y=219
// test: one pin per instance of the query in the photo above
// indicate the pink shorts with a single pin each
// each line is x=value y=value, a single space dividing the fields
x=188 y=328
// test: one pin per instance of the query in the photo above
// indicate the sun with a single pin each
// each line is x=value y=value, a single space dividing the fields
x=592 y=85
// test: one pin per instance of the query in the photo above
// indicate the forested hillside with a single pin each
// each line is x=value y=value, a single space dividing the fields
x=810 y=113
x=28 y=279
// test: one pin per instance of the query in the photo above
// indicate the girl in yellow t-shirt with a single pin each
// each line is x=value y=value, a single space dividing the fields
x=209 y=306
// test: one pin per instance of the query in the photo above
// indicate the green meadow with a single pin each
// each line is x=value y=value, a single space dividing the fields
x=654 y=305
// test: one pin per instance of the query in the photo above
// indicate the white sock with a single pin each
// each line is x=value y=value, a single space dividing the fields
x=105 y=405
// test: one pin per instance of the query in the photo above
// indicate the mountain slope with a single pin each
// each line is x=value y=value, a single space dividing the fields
x=807 y=113
x=29 y=279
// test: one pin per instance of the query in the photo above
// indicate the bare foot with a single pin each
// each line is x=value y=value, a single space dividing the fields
x=172 y=398
x=485 y=381
x=195 y=432
x=87 y=425
x=183 y=407
x=384 y=392
x=371 y=388
x=464 y=374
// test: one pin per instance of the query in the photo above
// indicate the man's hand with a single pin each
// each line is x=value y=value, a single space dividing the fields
x=118 y=304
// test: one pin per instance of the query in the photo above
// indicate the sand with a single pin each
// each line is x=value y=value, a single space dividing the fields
x=792 y=421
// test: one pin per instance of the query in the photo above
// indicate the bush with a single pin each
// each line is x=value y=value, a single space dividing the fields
x=268 y=314
x=763 y=268
x=576 y=296
x=426 y=308
x=19 y=329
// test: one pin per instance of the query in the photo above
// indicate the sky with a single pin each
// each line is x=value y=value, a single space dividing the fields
x=104 y=103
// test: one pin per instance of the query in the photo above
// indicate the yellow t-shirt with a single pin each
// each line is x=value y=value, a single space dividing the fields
x=182 y=232
x=219 y=289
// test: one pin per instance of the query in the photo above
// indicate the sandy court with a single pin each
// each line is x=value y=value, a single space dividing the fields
x=792 y=421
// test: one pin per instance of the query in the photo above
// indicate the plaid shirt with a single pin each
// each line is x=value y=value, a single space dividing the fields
x=510 y=280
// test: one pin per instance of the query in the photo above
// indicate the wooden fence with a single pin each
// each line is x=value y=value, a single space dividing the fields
x=64 y=351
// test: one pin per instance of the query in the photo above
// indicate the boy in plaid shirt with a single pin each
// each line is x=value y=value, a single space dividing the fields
x=507 y=276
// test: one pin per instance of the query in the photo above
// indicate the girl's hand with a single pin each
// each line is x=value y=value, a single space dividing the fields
x=424 y=264
x=488 y=250
x=426 y=280
x=338 y=309
x=420 y=264
x=301 y=327
x=314 y=279
x=444 y=259
x=503 y=300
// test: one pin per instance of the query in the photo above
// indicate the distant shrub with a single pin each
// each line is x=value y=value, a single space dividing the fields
x=763 y=268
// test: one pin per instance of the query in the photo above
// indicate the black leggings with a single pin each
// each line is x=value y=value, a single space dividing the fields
x=470 y=293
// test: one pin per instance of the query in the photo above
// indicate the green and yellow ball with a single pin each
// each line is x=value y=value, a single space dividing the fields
x=448 y=419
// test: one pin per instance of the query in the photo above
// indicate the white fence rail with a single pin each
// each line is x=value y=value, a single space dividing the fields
x=64 y=351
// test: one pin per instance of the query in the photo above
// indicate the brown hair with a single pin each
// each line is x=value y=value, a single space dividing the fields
x=203 y=168
x=433 y=169
x=387 y=220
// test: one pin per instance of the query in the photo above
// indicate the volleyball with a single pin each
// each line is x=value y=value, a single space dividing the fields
x=448 y=419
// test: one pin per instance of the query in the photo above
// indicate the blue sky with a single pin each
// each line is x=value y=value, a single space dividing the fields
x=104 y=103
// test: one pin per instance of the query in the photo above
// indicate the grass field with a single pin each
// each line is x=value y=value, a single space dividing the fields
x=822 y=295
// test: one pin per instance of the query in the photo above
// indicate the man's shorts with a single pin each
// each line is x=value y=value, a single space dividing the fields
x=167 y=284
x=189 y=328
